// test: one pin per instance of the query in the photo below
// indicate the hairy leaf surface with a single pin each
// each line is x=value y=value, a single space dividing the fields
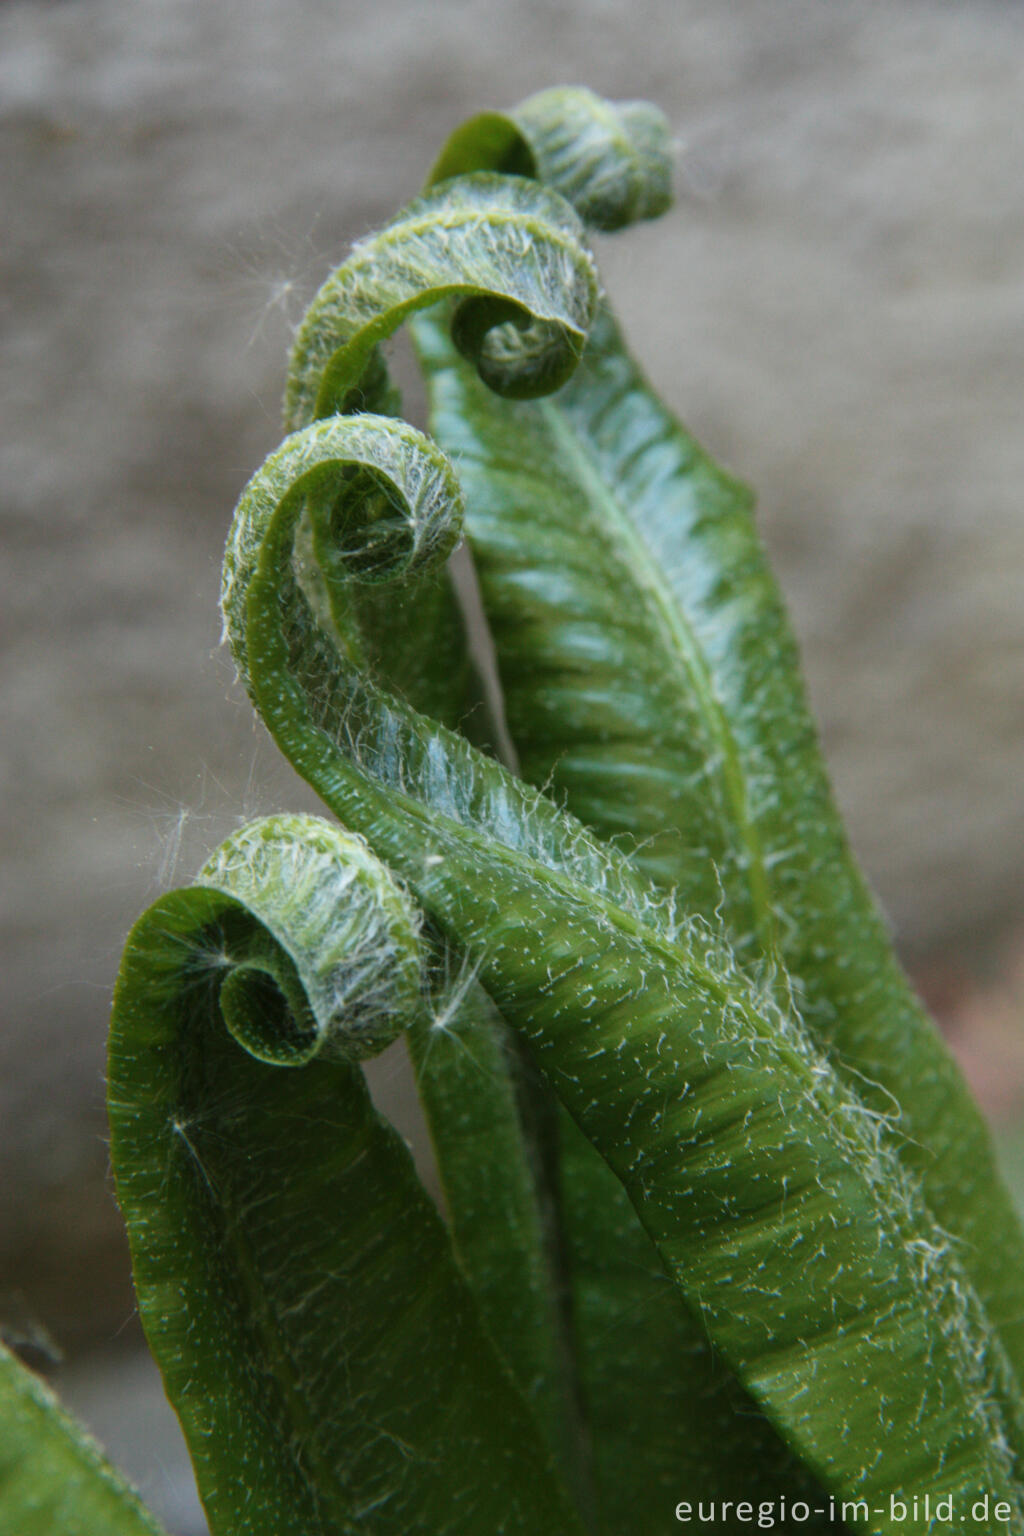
x=659 y=1041
x=651 y=680
x=321 y=1347
x=765 y=1182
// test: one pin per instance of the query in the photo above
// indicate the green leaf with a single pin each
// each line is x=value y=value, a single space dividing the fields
x=668 y=1419
x=54 y=1479
x=613 y=162
x=574 y=1294
x=492 y=1148
x=768 y=1186
x=651 y=679
x=317 y=1339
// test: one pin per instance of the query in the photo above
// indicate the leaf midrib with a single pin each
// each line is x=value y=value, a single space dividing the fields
x=680 y=645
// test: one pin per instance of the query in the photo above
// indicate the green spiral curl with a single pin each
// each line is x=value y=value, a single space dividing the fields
x=509 y=252
x=296 y=1283
x=650 y=677
x=611 y=160
x=769 y=1187
x=734 y=1149
x=309 y=890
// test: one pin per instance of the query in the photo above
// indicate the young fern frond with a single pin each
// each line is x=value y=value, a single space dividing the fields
x=319 y=1343
x=650 y=676
x=661 y=1100
x=749 y=1161
x=512 y=257
x=768 y=1186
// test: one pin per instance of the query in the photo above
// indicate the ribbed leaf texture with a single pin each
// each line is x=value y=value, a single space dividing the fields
x=721 y=1220
x=319 y=1342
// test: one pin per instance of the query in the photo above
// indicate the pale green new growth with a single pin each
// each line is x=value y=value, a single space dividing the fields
x=346 y=929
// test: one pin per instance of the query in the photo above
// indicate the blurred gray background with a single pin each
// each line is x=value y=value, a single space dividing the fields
x=835 y=305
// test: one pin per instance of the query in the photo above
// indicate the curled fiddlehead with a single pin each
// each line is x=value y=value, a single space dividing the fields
x=296 y=1282
x=650 y=676
x=765 y=1178
x=526 y=288
x=611 y=160
x=770 y=1188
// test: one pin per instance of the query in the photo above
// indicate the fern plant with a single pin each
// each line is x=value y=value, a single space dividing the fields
x=722 y=1240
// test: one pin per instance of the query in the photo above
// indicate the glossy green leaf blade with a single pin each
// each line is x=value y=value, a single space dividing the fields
x=766 y=1183
x=668 y=1419
x=613 y=163
x=54 y=1479
x=635 y=1404
x=581 y=642
x=319 y=1343
x=650 y=676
